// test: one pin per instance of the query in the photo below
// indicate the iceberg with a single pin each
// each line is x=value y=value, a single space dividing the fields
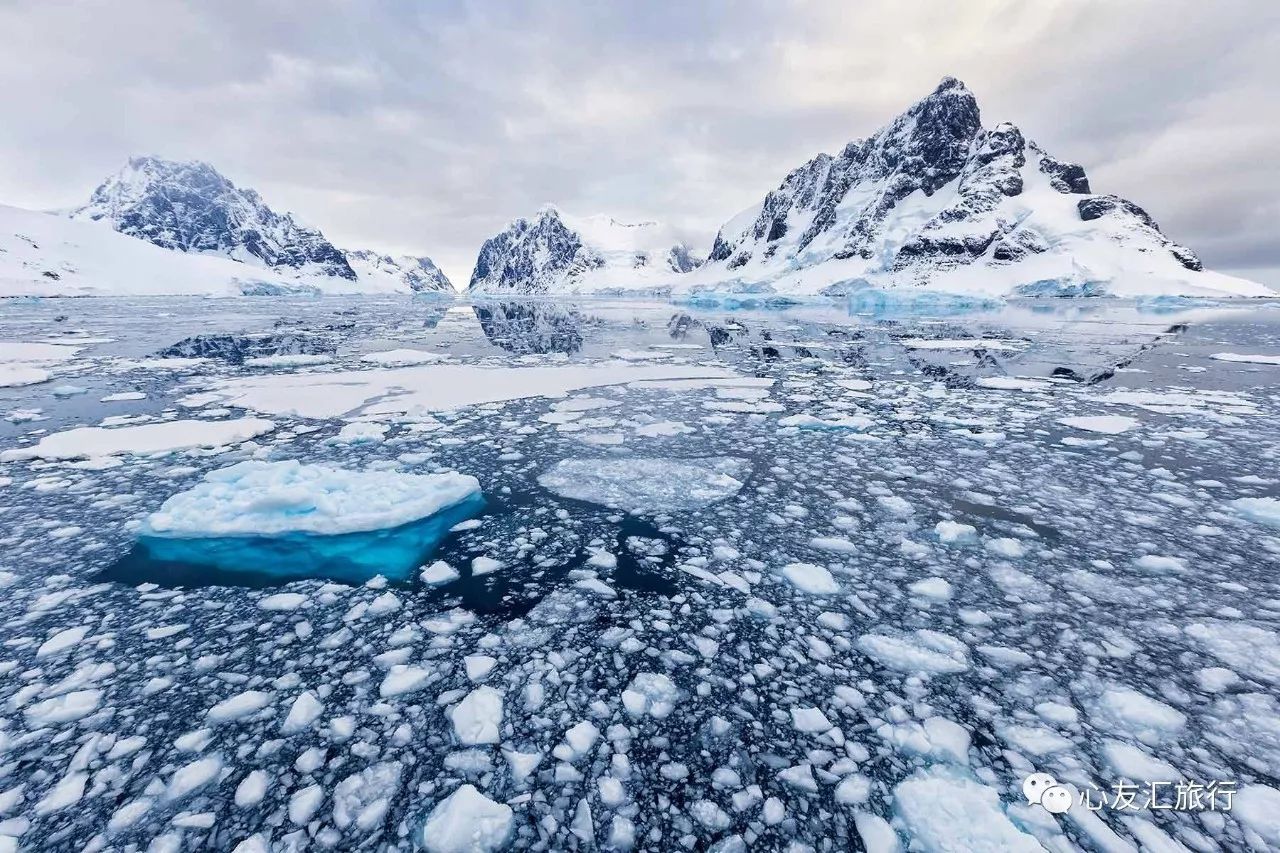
x=280 y=520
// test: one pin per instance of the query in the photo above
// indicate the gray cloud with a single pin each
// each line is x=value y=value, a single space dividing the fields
x=427 y=127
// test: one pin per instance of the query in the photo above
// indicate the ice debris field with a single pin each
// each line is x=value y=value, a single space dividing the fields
x=390 y=575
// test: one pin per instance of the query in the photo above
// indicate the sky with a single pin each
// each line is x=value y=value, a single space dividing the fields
x=425 y=127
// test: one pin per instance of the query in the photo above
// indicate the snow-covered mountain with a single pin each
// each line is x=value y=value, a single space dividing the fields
x=404 y=272
x=192 y=207
x=45 y=254
x=557 y=253
x=934 y=200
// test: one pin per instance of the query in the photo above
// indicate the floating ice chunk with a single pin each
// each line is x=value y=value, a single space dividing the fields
x=361 y=432
x=189 y=778
x=241 y=705
x=362 y=799
x=484 y=566
x=1261 y=510
x=439 y=573
x=64 y=708
x=304 y=802
x=401 y=679
x=960 y=343
x=479 y=666
x=1257 y=806
x=1106 y=424
x=1005 y=546
x=402 y=357
x=647 y=485
x=123 y=396
x=1246 y=648
x=810 y=578
x=895 y=505
x=578 y=741
x=298 y=359
x=799 y=777
x=853 y=790
x=92 y=442
x=477 y=718
x=1138 y=715
x=955 y=533
x=838 y=544
x=651 y=693
x=876 y=833
x=1247 y=359
x=252 y=788
x=597 y=586
x=270 y=498
x=306 y=709
x=62 y=641
x=806 y=421
x=923 y=651
x=1156 y=565
x=1136 y=765
x=67 y=792
x=664 y=428
x=936 y=589
x=1012 y=383
x=810 y=720
x=19 y=375
x=942 y=809
x=467 y=822
x=283 y=601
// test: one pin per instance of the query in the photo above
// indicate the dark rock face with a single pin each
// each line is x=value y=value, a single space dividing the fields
x=543 y=254
x=1064 y=177
x=1102 y=205
x=509 y=261
x=191 y=207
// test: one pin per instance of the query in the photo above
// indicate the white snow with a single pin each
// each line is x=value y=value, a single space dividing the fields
x=257 y=498
x=439 y=573
x=467 y=822
x=306 y=709
x=145 y=439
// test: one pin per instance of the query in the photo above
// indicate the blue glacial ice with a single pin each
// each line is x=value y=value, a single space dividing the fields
x=279 y=520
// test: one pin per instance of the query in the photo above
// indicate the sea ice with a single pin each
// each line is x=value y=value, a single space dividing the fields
x=943 y=810
x=91 y=442
x=1106 y=424
x=922 y=651
x=811 y=578
x=647 y=485
x=270 y=498
x=477 y=718
x=467 y=822
x=1261 y=510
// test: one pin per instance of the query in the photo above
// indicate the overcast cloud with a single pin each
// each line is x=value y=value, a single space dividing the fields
x=426 y=127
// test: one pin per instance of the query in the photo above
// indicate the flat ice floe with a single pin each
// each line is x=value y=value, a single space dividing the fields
x=430 y=388
x=1105 y=424
x=647 y=485
x=1245 y=358
x=92 y=442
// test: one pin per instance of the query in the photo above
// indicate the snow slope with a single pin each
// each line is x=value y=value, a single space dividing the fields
x=192 y=207
x=558 y=253
x=44 y=254
x=935 y=201
x=403 y=273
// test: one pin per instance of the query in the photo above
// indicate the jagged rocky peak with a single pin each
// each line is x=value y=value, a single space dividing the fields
x=418 y=274
x=192 y=207
x=554 y=252
x=934 y=199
